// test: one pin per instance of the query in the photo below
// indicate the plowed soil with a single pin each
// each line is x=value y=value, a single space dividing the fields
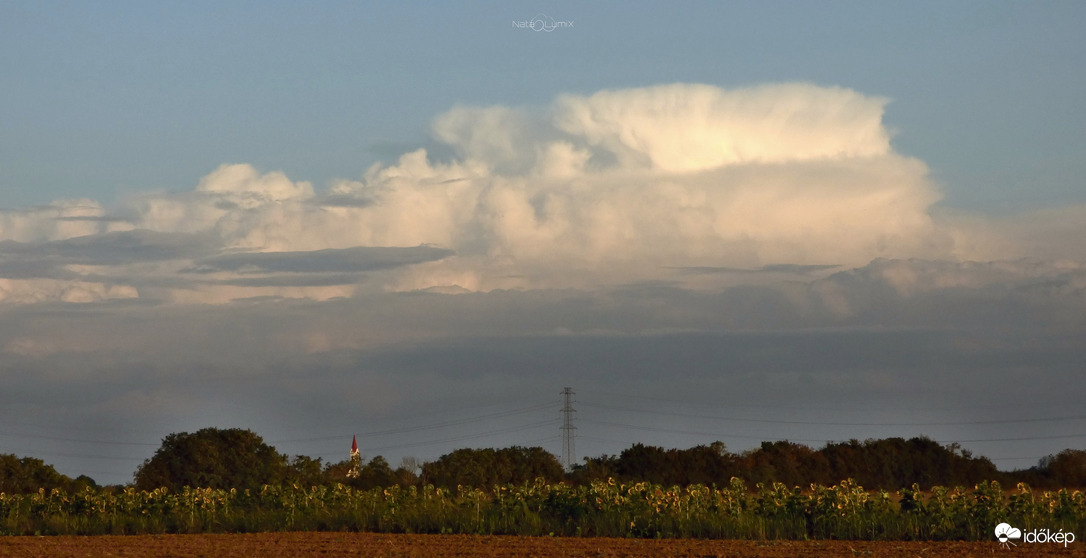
x=384 y=545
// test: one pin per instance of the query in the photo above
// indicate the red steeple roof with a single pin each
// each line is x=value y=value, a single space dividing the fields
x=354 y=444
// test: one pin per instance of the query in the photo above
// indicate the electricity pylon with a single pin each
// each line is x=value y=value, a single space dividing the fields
x=568 y=428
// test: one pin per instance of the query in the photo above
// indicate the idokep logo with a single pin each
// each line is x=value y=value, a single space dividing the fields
x=1006 y=534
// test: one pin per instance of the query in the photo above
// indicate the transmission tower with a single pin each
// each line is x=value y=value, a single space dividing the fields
x=568 y=428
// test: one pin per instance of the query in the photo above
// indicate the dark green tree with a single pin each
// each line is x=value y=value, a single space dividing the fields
x=706 y=465
x=644 y=463
x=484 y=468
x=27 y=474
x=594 y=469
x=376 y=473
x=407 y=474
x=1066 y=469
x=468 y=467
x=305 y=471
x=215 y=458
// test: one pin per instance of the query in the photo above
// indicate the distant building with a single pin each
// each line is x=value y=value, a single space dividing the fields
x=356 y=459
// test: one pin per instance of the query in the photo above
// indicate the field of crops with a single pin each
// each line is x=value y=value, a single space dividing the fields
x=601 y=509
x=383 y=545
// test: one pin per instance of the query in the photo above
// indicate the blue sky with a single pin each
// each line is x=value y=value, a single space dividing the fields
x=102 y=100
x=417 y=223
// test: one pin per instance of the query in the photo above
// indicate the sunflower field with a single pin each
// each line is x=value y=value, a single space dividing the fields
x=602 y=508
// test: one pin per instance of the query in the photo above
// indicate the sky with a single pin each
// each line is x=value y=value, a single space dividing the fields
x=417 y=224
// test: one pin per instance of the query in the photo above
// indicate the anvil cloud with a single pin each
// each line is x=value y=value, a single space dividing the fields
x=618 y=186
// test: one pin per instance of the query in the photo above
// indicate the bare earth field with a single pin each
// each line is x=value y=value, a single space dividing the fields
x=385 y=545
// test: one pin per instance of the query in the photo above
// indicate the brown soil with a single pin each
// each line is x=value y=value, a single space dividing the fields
x=383 y=545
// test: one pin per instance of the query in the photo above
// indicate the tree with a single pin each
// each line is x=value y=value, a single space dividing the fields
x=1066 y=469
x=644 y=463
x=484 y=468
x=377 y=474
x=214 y=458
x=468 y=467
x=26 y=475
x=305 y=471
x=594 y=469
x=407 y=474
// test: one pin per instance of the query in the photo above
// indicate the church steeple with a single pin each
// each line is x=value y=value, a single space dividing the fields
x=356 y=459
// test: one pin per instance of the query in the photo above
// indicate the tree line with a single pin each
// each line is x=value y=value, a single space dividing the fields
x=237 y=458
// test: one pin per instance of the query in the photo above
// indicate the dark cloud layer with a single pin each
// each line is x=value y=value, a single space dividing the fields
x=859 y=353
x=358 y=259
x=51 y=260
x=296 y=280
x=774 y=268
x=112 y=248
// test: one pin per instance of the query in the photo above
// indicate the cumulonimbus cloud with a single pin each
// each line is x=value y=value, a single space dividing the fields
x=620 y=185
x=615 y=187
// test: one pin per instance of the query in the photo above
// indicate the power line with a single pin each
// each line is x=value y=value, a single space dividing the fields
x=1023 y=439
x=77 y=440
x=832 y=423
x=401 y=430
x=763 y=406
x=82 y=455
x=764 y=438
x=690 y=432
x=410 y=429
x=568 y=427
x=508 y=430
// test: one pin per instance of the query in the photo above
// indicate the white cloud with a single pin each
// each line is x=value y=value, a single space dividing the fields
x=615 y=187
x=1051 y=234
x=684 y=127
x=56 y=221
x=250 y=189
x=618 y=185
